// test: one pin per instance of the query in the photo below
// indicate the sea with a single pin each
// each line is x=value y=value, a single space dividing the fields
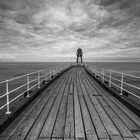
x=12 y=69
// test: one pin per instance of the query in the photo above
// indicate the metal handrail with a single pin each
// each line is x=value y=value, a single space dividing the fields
x=137 y=77
x=103 y=73
x=42 y=75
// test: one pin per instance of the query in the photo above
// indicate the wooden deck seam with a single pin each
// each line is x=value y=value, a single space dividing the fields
x=92 y=127
x=98 y=114
x=61 y=82
x=59 y=107
x=116 y=115
x=79 y=128
x=41 y=110
x=67 y=92
x=80 y=106
x=85 y=86
x=111 y=98
x=59 y=92
x=109 y=119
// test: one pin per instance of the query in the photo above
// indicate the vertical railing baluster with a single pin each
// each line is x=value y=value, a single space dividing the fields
x=28 y=86
x=110 y=79
x=45 y=76
x=53 y=70
x=38 y=79
x=50 y=73
x=56 y=70
x=7 y=98
x=99 y=72
x=122 y=79
x=95 y=72
x=103 y=75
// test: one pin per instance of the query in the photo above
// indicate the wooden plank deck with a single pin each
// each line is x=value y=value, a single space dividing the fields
x=74 y=107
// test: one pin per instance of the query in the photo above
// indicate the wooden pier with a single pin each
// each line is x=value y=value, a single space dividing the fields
x=74 y=107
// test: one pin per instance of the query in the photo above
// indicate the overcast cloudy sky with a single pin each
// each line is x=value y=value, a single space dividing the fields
x=52 y=30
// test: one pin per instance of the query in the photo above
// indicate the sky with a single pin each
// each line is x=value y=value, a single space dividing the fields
x=52 y=30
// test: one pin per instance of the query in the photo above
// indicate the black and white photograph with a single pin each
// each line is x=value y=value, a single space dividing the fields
x=69 y=69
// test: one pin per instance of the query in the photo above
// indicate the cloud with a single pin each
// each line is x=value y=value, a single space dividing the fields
x=50 y=29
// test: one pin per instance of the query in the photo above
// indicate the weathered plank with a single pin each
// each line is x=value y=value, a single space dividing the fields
x=4 y=138
x=44 y=139
x=137 y=135
x=128 y=122
x=102 y=134
x=130 y=138
x=22 y=131
x=69 y=139
x=9 y=131
x=119 y=124
x=127 y=111
x=69 y=124
x=90 y=88
x=112 y=137
x=89 y=129
x=59 y=127
x=49 y=124
x=36 y=128
x=111 y=129
x=79 y=130
x=60 y=121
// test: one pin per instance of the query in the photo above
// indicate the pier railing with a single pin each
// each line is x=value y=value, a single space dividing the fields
x=13 y=89
x=125 y=84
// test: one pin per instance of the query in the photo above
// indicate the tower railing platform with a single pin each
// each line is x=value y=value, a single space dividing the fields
x=75 y=106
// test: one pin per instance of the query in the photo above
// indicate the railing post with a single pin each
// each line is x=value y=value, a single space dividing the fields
x=56 y=70
x=28 y=86
x=7 y=98
x=122 y=84
x=53 y=71
x=38 y=79
x=95 y=72
x=103 y=76
x=50 y=73
x=45 y=76
x=110 y=79
x=99 y=72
